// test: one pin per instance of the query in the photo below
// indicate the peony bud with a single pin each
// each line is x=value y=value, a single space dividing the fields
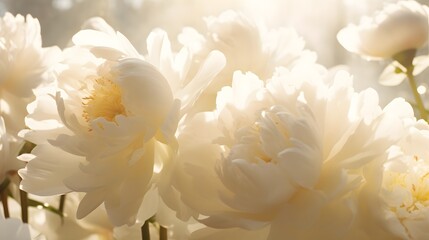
x=398 y=27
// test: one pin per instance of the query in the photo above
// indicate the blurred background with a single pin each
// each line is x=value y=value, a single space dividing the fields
x=317 y=21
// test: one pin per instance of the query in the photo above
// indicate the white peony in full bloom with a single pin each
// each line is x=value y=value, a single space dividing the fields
x=398 y=27
x=397 y=197
x=24 y=65
x=104 y=129
x=287 y=154
x=247 y=46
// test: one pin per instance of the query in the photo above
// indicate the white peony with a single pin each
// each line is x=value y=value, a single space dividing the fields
x=398 y=193
x=24 y=65
x=247 y=47
x=9 y=149
x=398 y=27
x=287 y=154
x=104 y=129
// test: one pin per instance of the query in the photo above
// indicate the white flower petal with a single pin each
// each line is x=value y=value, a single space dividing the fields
x=145 y=91
x=398 y=27
x=301 y=164
x=389 y=76
x=99 y=24
x=210 y=68
x=420 y=63
x=89 y=38
x=44 y=173
x=90 y=202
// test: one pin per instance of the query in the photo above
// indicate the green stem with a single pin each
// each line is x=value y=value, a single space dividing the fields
x=24 y=206
x=145 y=231
x=4 y=203
x=62 y=204
x=405 y=58
x=4 y=197
x=163 y=233
x=417 y=97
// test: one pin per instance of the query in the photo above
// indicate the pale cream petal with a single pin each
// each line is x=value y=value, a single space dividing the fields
x=99 y=24
x=389 y=76
x=214 y=63
x=145 y=91
x=44 y=174
x=90 y=202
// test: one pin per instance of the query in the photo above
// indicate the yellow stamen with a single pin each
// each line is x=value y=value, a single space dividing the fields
x=418 y=188
x=105 y=101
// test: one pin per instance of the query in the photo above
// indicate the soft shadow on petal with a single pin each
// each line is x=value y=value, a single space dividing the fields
x=44 y=175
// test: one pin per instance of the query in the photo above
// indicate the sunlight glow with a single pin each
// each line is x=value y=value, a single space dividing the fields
x=421 y=89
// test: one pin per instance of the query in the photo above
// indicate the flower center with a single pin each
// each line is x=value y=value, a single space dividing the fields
x=417 y=187
x=104 y=101
x=420 y=189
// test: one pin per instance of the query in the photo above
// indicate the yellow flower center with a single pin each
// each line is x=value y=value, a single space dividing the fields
x=104 y=101
x=420 y=190
x=418 y=187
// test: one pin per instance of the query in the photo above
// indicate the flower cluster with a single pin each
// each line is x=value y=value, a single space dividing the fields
x=238 y=133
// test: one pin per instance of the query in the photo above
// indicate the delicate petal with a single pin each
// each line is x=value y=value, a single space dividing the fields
x=283 y=154
x=390 y=76
x=44 y=173
x=247 y=46
x=117 y=113
x=398 y=27
x=394 y=74
x=24 y=65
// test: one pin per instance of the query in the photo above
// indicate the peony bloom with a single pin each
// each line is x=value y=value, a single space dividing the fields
x=247 y=47
x=104 y=128
x=398 y=195
x=9 y=149
x=398 y=27
x=24 y=65
x=286 y=154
